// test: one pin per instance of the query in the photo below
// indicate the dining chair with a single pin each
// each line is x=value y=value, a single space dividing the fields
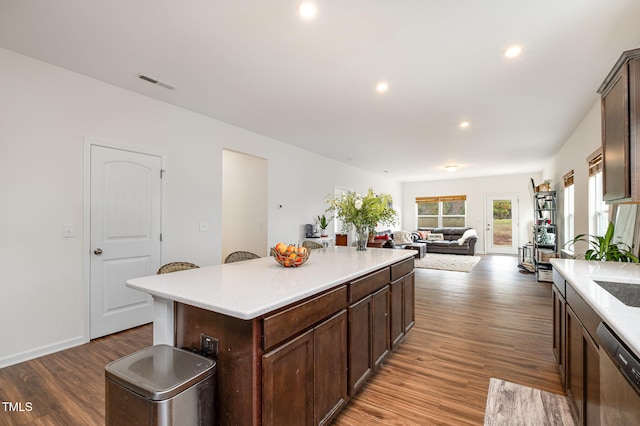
x=238 y=256
x=312 y=245
x=176 y=266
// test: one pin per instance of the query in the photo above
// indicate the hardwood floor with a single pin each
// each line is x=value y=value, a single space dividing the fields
x=67 y=387
x=492 y=322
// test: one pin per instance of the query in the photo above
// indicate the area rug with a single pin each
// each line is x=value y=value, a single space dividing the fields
x=448 y=262
x=512 y=404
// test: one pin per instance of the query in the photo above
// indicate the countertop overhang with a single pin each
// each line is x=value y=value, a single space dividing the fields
x=249 y=289
x=622 y=319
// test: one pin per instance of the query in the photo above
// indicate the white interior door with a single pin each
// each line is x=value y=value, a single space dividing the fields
x=125 y=236
x=502 y=224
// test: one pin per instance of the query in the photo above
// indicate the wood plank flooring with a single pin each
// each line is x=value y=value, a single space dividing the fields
x=492 y=322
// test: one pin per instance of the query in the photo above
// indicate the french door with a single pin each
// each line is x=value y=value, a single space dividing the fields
x=501 y=231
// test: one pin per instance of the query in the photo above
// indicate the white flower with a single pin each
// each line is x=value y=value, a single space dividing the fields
x=358 y=204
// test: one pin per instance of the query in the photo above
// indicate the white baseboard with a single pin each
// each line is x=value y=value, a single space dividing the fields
x=44 y=350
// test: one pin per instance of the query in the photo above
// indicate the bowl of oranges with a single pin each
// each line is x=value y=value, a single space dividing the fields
x=290 y=255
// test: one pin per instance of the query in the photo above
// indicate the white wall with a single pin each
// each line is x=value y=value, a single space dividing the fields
x=584 y=140
x=45 y=114
x=244 y=203
x=476 y=189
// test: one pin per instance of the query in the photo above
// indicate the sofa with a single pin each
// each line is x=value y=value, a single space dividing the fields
x=447 y=240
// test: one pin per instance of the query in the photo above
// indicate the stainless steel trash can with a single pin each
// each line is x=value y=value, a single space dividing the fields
x=160 y=385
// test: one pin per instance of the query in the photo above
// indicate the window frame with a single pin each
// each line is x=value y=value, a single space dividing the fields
x=568 y=210
x=440 y=216
x=599 y=211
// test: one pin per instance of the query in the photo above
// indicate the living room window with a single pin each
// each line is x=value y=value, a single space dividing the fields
x=441 y=212
x=568 y=204
x=598 y=209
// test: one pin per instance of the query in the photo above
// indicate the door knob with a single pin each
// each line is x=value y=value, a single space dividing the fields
x=97 y=251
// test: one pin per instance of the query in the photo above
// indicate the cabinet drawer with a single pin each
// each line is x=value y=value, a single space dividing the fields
x=585 y=313
x=285 y=324
x=559 y=282
x=366 y=285
x=401 y=269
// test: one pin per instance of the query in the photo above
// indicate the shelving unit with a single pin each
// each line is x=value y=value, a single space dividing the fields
x=545 y=231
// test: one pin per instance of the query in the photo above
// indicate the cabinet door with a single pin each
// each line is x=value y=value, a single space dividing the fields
x=559 y=334
x=615 y=139
x=330 y=352
x=575 y=362
x=409 y=313
x=583 y=371
x=591 y=357
x=396 y=314
x=287 y=383
x=380 y=325
x=359 y=347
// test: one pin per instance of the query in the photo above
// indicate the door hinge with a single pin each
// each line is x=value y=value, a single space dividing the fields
x=162 y=171
x=161 y=236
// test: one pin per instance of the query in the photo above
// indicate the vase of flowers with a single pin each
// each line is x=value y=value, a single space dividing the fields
x=362 y=213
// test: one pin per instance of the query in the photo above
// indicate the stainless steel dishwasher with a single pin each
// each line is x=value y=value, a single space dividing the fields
x=619 y=380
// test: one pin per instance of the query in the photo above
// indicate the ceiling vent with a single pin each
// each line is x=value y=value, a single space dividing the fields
x=154 y=81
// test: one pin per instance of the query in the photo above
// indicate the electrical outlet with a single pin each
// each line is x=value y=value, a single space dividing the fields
x=208 y=345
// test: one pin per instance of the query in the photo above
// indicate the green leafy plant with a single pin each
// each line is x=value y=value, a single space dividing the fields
x=323 y=221
x=603 y=248
x=362 y=212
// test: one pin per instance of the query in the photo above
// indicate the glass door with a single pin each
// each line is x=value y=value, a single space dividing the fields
x=502 y=224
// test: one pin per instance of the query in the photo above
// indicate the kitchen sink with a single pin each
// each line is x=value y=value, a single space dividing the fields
x=629 y=294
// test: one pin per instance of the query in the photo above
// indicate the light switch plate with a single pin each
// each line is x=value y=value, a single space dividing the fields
x=68 y=231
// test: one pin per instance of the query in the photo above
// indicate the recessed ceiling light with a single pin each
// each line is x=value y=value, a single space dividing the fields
x=308 y=10
x=464 y=124
x=382 y=87
x=451 y=168
x=513 y=51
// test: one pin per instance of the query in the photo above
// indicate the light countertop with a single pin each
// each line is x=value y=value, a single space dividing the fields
x=623 y=319
x=251 y=288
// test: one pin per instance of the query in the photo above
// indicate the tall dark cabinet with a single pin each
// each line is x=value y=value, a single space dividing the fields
x=620 y=93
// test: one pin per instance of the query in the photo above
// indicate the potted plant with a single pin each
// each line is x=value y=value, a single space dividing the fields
x=323 y=222
x=604 y=249
x=363 y=213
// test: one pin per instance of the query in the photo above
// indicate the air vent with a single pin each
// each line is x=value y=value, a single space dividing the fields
x=154 y=81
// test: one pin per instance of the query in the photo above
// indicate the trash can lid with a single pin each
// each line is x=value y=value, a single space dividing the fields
x=160 y=372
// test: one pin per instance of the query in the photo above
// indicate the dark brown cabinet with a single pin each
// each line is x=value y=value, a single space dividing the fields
x=402 y=307
x=368 y=336
x=287 y=379
x=620 y=133
x=360 y=364
x=577 y=353
x=583 y=371
x=380 y=344
x=559 y=330
x=314 y=363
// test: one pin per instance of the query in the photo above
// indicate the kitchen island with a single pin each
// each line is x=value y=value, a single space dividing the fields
x=293 y=345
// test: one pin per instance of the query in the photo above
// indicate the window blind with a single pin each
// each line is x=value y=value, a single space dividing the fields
x=595 y=162
x=441 y=198
x=568 y=179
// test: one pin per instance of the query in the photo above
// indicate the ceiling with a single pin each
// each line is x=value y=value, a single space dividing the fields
x=311 y=83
